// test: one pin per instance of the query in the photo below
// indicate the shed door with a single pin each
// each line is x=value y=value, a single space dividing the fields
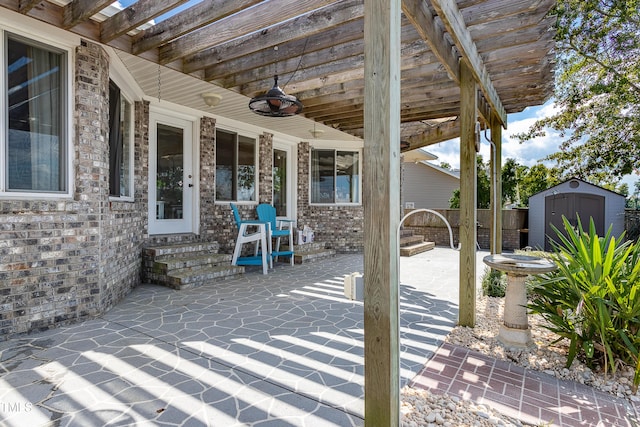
x=572 y=205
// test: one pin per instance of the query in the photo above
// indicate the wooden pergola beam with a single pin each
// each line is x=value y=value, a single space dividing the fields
x=189 y=20
x=337 y=15
x=468 y=196
x=381 y=200
x=350 y=32
x=432 y=33
x=245 y=22
x=454 y=23
x=328 y=61
x=326 y=57
x=24 y=6
x=442 y=132
x=80 y=10
x=133 y=16
x=344 y=70
x=234 y=45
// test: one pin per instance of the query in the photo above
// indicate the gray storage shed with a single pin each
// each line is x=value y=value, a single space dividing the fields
x=573 y=198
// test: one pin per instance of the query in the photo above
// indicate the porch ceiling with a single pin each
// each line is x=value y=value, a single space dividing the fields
x=317 y=49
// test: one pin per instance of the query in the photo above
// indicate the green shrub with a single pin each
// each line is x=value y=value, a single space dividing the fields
x=593 y=299
x=494 y=283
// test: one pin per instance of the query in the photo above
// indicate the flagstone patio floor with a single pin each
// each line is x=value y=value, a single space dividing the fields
x=285 y=349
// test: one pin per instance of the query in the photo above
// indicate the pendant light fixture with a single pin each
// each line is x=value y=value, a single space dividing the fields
x=275 y=103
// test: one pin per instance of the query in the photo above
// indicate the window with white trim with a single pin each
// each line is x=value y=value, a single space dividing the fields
x=335 y=176
x=34 y=137
x=236 y=167
x=120 y=143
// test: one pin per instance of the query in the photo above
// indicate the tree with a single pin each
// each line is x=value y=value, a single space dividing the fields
x=633 y=201
x=597 y=89
x=510 y=181
x=483 y=187
x=535 y=179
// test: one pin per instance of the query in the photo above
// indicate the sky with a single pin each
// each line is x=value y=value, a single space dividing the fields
x=528 y=153
x=188 y=4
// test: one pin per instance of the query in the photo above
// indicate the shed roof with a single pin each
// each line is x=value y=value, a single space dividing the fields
x=317 y=49
x=574 y=179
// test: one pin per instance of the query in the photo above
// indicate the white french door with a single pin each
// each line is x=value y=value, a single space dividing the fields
x=283 y=180
x=171 y=178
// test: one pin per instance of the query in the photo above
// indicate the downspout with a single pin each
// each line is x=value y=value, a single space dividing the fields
x=494 y=183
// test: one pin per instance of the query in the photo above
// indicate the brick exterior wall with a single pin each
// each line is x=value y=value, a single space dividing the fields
x=435 y=230
x=339 y=227
x=265 y=174
x=125 y=224
x=64 y=260
x=69 y=259
x=207 y=178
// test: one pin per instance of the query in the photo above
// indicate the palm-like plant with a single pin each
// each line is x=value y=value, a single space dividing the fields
x=593 y=299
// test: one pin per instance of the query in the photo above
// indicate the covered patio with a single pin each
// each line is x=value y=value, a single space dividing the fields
x=394 y=73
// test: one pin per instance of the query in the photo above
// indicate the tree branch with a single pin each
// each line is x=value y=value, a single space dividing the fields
x=612 y=70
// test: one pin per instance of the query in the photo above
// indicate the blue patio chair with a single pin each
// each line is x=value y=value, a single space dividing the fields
x=259 y=237
x=267 y=213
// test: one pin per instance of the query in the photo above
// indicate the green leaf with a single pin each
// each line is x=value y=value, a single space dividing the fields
x=588 y=348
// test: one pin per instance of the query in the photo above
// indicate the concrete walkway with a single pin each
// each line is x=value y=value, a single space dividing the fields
x=285 y=349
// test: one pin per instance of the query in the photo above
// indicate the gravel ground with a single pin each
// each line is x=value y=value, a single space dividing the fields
x=421 y=408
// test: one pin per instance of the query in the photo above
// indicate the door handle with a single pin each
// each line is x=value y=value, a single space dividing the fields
x=190 y=185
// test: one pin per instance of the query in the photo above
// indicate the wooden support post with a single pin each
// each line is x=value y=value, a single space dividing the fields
x=381 y=185
x=468 y=196
x=496 y=187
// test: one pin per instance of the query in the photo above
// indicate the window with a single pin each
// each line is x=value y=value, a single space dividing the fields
x=335 y=176
x=120 y=143
x=34 y=143
x=235 y=167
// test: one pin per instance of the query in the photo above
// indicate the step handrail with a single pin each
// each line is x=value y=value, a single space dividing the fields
x=438 y=214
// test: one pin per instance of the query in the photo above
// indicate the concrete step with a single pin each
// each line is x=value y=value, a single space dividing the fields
x=311 y=255
x=314 y=246
x=405 y=233
x=411 y=240
x=184 y=265
x=417 y=248
x=190 y=260
x=180 y=249
x=198 y=276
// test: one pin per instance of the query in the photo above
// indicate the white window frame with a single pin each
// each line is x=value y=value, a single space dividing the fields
x=66 y=131
x=291 y=175
x=256 y=156
x=123 y=92
x=335 y=150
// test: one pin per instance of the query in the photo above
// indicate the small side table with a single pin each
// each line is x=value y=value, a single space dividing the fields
x=514 y=331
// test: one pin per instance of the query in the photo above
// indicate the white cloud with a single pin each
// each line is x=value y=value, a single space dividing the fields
x=528 y=153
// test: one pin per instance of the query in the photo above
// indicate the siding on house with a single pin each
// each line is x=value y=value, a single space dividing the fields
x=427 y=186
